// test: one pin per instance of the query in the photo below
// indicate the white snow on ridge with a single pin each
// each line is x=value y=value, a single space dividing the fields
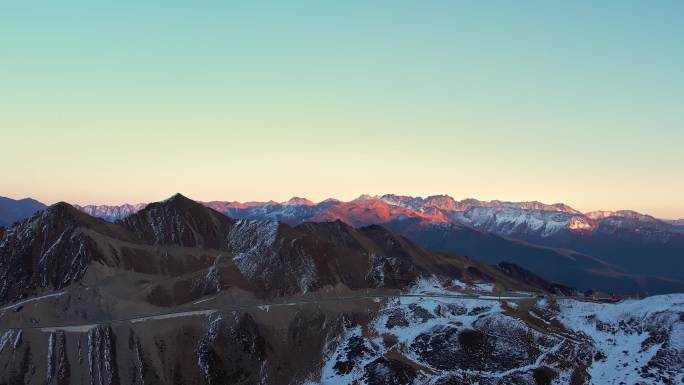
x=433 y=286
x=5 y=339
x=329 y=375
x=251 y=241
x=621 y=332
x=573 y=310
x=428 y=285
x=111 y=213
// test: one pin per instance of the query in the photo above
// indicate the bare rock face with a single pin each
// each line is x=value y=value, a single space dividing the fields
x=274 y=256
x=487 y=347
x=232 y=354
x=58 y=368
x=179 y=221
x=353 y=351
x=139 y=361
x=101 y=353
x=383 y=371
x=48 y=251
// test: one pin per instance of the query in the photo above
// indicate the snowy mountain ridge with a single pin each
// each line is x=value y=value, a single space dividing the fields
x=531 y=218
x=111 y=212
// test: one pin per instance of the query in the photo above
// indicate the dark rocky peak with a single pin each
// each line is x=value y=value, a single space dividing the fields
x=336 y=232
x=179 y=221
x=281 y=259
x=177 y=199
x=57 y=217
x=51 y=249
x=388 y=242
x=373 y=239
x=64 y=212
x=276 y=258
x=62 y=215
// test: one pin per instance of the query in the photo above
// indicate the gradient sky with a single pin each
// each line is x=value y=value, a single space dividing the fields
x=573 y=101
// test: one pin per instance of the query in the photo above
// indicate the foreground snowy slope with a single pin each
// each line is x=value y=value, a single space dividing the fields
x=635 y=340
x=421 y=340
x=437 y=332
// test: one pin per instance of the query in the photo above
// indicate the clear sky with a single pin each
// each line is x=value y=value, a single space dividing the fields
x=130 y=101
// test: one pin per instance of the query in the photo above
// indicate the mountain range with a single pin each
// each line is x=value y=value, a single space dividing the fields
x=611 y=251
x=614 y=251
x=180 y=293
x=514 y=219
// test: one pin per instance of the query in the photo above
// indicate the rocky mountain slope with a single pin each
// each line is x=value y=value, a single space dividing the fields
x=178 y=293
x=180 y=238
x=630 y=252
x=623 y=251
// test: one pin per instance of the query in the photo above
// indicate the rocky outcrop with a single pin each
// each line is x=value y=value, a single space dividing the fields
x=48 y=251
x=58 y=368
x=232 y=353
x=179 y=221
x=102 y=359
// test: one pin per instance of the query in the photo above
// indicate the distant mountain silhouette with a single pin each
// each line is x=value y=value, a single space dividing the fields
x=12 y=210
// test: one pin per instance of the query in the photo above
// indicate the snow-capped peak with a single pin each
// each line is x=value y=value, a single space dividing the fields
x=297 y=201
x=364 y=197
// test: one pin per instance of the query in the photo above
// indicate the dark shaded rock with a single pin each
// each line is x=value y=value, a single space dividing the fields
x=179 y=221
x=44 y=251
x=471 y=341
x=532 y=279
x=543 y=375
x=383 y=371
x=478 y=274
x=486 y=348
x=478 y=310
x=102 y=364
x=58 y=369
x=420 y=312
x=232 y=354
x=354 y=351
x=396 y=318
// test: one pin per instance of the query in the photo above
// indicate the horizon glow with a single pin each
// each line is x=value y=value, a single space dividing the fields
x=578 y=102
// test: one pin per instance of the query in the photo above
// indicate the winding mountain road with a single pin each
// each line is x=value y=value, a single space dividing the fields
x=204 y=311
